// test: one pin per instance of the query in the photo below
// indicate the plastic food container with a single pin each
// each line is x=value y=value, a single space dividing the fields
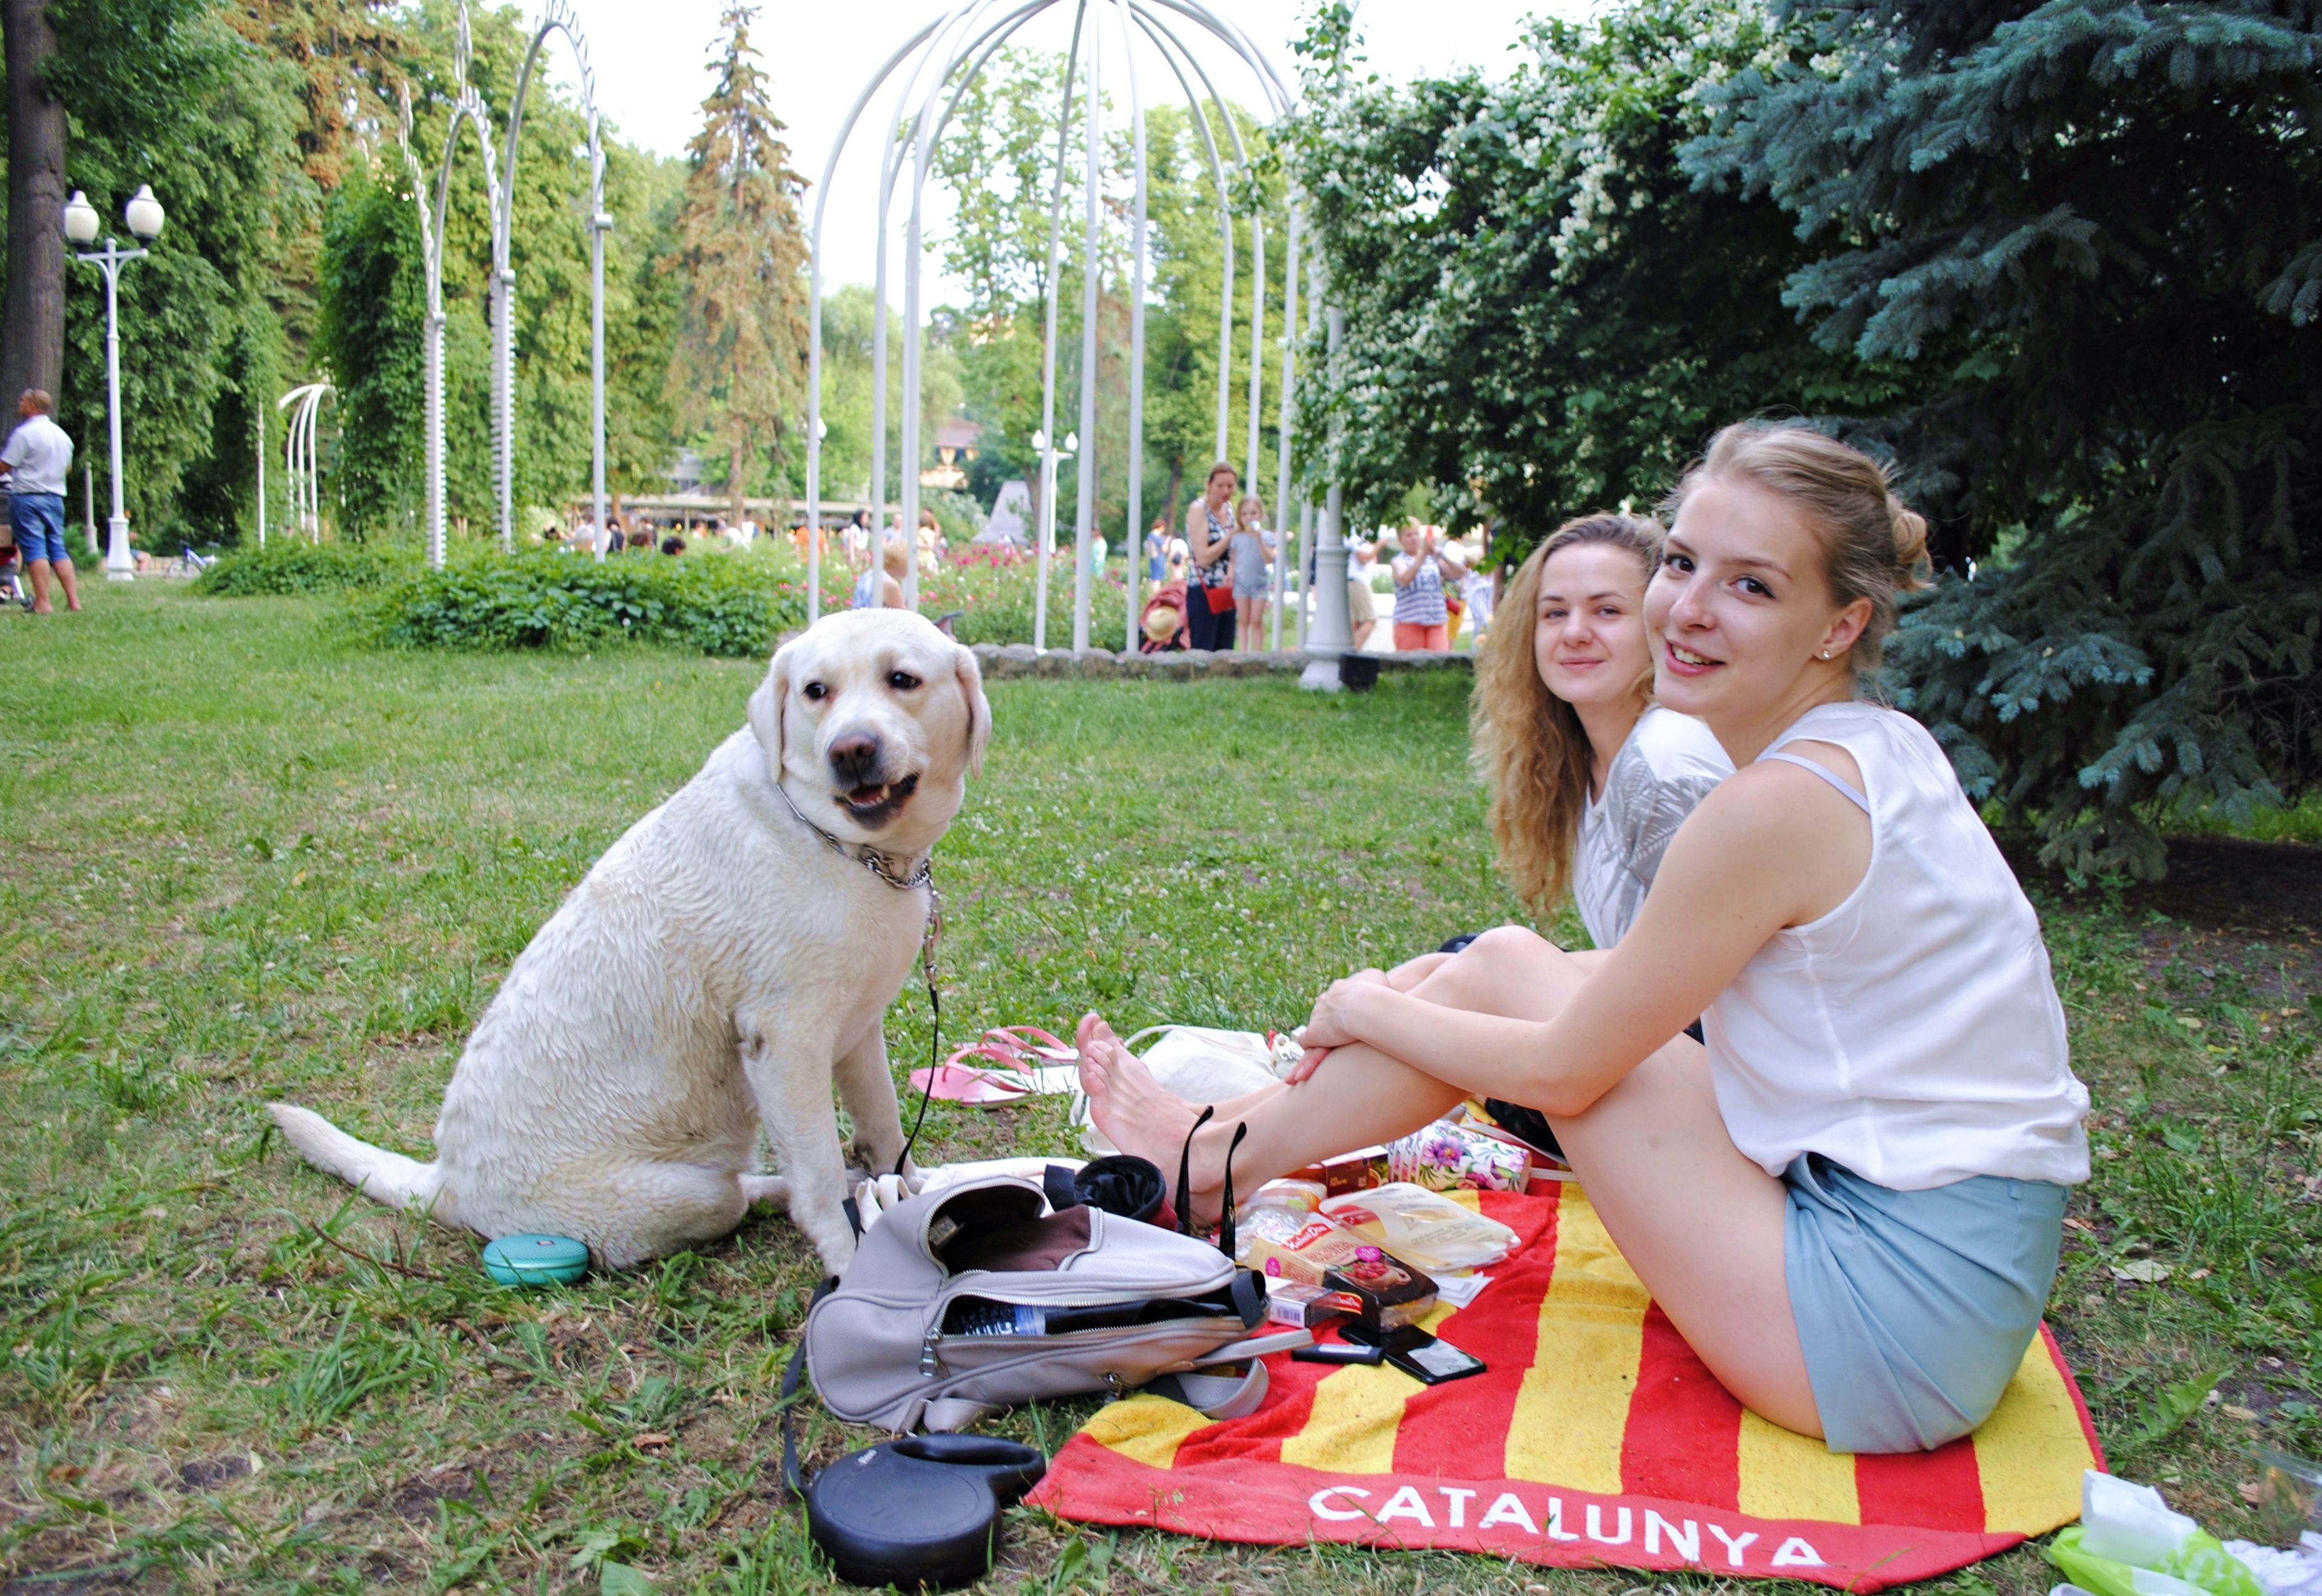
x=535 y=1260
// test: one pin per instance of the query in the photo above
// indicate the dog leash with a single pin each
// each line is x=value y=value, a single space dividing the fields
x=883 y=865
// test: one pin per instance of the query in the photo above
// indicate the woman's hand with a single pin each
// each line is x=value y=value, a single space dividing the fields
x=1336 y=1020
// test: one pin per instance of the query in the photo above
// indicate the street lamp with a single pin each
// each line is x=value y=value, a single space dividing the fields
x=144 y=216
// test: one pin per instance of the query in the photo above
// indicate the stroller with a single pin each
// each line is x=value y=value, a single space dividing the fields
x=1163 y=621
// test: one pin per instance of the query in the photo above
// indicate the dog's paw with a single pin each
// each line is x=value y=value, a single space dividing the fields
x=837 y=1250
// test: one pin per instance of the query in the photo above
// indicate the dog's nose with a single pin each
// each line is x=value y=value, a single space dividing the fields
x=855 y=758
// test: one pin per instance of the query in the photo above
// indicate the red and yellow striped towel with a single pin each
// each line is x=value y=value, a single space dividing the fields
x=1596 y=1437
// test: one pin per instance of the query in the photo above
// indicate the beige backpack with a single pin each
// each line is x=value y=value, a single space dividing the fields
x=972 y=1298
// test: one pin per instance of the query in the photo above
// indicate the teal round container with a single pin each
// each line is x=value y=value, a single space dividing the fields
x=535 y=1260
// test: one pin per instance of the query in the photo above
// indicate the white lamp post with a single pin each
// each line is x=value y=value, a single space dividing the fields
x=144 y=216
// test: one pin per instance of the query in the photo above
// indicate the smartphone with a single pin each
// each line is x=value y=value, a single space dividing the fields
x=1338 y=1351
x=1399 y=1338
x=1435 y=1363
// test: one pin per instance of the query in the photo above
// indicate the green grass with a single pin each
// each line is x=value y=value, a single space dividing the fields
x=246 y=858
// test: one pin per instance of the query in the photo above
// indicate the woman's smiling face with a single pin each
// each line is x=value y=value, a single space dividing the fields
x=1740 y=608
x=1588 y=637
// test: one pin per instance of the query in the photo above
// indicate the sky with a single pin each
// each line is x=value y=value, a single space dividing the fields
x=652 y=56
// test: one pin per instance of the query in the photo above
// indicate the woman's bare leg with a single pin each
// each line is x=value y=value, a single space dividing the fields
x=1702 y=1225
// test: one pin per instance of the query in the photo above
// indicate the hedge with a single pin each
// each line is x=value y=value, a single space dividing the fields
x=559 y=600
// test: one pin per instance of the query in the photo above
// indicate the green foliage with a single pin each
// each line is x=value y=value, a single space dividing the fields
x=722 y=605
x=374 y=313
x=1545 y=316
x=293 y=565
x=2084 y=240
x=166 y=92
x=739 y=256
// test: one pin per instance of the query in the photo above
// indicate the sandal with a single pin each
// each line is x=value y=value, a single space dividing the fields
x=1032 y=1042
x=959 y=1081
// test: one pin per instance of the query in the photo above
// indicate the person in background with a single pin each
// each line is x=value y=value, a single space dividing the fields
x=1156 y=549
x=672 y=546
x=1422 y=619
x=883 y=589
x=1252 y=579
x=642 y=538
x=1209 y=587
x=931 y=541
x=1362 y=601
x=37 y=456
x=1480 y=587
x=746 y=532
x=612 y=541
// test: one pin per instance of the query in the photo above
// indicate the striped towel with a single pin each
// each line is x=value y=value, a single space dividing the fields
x=1596 y=1437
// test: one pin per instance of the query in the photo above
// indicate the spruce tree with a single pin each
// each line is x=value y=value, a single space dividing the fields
x=2087 y=237
x=740 y=255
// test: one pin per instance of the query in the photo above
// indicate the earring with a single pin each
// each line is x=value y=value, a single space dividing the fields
x=1826 y=655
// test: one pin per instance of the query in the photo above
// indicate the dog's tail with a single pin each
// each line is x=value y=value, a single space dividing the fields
x=383 y=1176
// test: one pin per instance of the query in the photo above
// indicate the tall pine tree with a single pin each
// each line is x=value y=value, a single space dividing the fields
x=740 y=255
x=2088 y=237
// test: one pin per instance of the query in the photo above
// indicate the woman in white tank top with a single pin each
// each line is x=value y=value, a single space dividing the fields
x=1850 y=1200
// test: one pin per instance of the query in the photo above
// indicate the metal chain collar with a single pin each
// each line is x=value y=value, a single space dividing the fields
x=883 y=865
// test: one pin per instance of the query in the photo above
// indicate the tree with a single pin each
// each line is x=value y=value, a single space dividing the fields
x=374 y=310
x=741 y=346
x=2086 y=239
x=1544 y=314
x=32 y=322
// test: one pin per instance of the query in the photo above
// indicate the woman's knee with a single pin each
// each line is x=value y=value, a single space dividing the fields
x=1499 y=972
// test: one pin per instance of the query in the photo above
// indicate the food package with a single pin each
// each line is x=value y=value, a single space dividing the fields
x=1449 y=1157
x=1323 y=1253
x=1423 y=1228
x=1305 y=1308
x=2129 y=1543
x=1350 y=1171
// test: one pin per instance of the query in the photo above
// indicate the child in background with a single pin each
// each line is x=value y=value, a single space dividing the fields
x=1250 y=574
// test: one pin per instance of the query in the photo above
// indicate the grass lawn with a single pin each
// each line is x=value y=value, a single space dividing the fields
x=244 y=859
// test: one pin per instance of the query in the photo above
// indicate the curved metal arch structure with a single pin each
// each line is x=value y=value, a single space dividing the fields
x=556 y=16
x=467 y=109
x=301 y=459
x=931 y=70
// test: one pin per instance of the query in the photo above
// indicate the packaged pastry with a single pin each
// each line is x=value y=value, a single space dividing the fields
x=1303 y=1307
x=1423 y=1228
x=1449 y=1157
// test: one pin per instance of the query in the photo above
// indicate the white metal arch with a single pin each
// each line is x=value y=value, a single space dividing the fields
x=301 y=459
x=467 y=109
x=556 y=16
x=948 y=53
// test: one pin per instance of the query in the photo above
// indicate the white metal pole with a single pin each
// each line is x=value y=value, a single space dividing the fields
x=261 y=478
x=1283 y=566
x=598 y=225
x=1047 y=535
x=1132 y=539
x=1085 y=514
x=1251 y=479
x=119 y=565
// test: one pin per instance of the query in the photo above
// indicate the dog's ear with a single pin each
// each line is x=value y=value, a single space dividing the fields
x=766 y=706
x=979 y=710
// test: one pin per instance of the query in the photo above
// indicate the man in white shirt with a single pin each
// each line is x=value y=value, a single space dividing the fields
x=38 y=457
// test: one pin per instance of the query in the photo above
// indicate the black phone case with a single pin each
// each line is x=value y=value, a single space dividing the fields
x=1402 y=1359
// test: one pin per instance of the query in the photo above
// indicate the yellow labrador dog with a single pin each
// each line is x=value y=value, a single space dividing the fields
x=722 y=962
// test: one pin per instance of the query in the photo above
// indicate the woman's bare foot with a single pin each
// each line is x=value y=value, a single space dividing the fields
x=1139 y=1115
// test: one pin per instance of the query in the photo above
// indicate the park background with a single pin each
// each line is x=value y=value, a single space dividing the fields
x=2061 y=263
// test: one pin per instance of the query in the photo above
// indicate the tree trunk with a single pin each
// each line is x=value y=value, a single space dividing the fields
x=734 y=481
x=33 y=317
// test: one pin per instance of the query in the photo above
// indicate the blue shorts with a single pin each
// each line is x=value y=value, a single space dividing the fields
x=1914 y=1307
x=38 y=520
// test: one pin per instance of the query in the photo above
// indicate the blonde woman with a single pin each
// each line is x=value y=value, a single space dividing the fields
x=1850 y=1200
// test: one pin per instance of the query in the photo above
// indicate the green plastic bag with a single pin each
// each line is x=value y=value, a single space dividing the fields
x=2130 y=1543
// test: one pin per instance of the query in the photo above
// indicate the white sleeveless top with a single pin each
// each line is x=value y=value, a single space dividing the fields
x=1912 y=1034
x=1665 y=768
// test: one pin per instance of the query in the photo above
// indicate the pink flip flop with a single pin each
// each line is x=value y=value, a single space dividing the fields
x=958 y=1081
x=1032 y=1042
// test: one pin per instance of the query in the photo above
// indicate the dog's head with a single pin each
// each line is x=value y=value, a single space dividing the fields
x=874 y=718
